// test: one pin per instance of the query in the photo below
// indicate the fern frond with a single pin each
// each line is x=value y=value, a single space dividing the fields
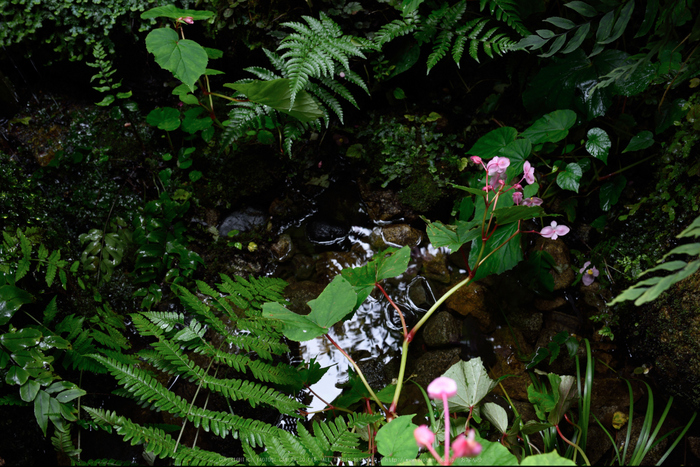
x=396 y=28
x=313 y=50
x=340 y=89
x=262 y=73
x=442 y=45
x=157 y=441
x=506 y=11
x=62 y=443
x=329 y=100
x=171 y=359
x=143 y=386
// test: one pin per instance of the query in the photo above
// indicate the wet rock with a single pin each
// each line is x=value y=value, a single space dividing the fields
x=240 y=266
x=563 y=275
x=384 y=205
x=666 y=333
x=325 y=232
x=244 y=220
x=304 y=267
x=283 y=248
x=528 y=322
x=330 y=264
x=300 y=293
x=470 y=300
x=433 y=364
x=550 y=304
x=420 y=294
x=442 y=329
x=435 y=267
x=396 y=235
x=510 y=348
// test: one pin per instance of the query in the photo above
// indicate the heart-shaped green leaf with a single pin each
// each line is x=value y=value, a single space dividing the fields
x=185 y=59
x=598 y=144
x=551 y=128
x=570 y=177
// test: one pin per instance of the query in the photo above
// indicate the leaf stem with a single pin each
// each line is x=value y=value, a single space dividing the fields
x=362 y=376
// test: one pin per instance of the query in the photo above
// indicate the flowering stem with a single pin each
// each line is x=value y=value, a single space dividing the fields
x=409 y=337
x=403 y=322
x=447 y=426
x=359 y=373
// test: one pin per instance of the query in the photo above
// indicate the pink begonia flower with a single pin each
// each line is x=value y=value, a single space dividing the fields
x=589 y=275
x=424 y=437
x=497 y=165
x=554 y=231
x=529 y=173
x=186 y=19
x=442 y=386
x=466 y=446
x=476 y=159
x=517 y=197
x=341 y=74
x=534 y=201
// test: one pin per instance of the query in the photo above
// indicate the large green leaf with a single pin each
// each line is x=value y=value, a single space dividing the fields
x=551 y=128
x=20 y=340
x=641 y=140
x=569 y=83
x=506 y=258
x=395 y=441
x=389 y=263
x=492 y=142
x=515 y=213
x=11 y=299
x=571 y=176
x=473 y=383
x=453 y=237
x=598 y=144
x=610 y=192
x=517 y=152
x=277 y=94
x=335 y=302
x=549 y=458
x=173 y=12
x=492 y=453
x=185 y=59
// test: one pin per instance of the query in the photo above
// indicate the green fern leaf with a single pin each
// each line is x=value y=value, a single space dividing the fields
x=506 y=11
x=396 y=28
x=442 y=45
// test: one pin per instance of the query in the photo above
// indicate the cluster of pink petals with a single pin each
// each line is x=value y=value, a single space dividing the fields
x=529 y=173
x=589 y=274
x=497 y=165
x=554 y=231
x=443 y=388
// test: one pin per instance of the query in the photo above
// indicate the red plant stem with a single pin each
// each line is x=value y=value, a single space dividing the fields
x=398 y=310
x=362 y=377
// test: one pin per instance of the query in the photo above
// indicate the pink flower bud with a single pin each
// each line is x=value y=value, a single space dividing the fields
x=186 y=19
x=442 y=386
x=476 y=159
x=466 y=446
x=342 y=75
x=517 y=197
x=424 y=437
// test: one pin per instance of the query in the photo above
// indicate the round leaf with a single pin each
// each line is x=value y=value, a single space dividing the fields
x=598 y=144
x=569 y=178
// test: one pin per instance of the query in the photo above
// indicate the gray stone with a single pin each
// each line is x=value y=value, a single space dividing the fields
x=442 y=330
x=244 y=220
